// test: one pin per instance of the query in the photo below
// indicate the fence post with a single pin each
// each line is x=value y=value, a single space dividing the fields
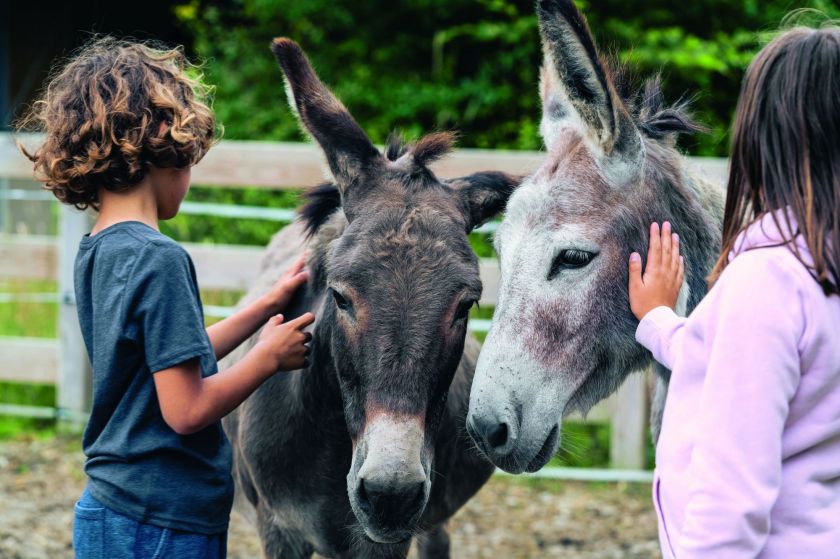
x=74 y=379
x=630 y=424
x=5 y=105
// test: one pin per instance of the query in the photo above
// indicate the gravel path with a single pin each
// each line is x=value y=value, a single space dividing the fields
x=40 y=480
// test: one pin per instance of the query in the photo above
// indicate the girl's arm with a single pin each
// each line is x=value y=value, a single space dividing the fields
x=753 y=372
x=654 y=293
x=227 y=334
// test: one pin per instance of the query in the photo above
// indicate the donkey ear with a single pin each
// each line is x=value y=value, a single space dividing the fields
x=575 y=88
x=348 y=149
x=484 y=195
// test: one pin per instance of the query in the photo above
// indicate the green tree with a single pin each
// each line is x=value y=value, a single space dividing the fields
x=470 y=65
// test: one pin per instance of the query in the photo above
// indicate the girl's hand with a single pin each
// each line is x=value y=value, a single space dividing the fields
x=283 y=345
x=663 y=277
x=278 y=297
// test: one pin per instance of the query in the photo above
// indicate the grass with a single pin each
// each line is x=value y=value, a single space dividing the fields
x=28 y=319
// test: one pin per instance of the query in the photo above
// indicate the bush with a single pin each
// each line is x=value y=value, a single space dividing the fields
x=470 y=65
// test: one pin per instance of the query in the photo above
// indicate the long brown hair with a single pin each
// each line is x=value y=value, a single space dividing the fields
x=786 y=148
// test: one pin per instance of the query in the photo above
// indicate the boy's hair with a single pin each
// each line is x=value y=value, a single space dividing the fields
x=114 y=109
x=786 y=148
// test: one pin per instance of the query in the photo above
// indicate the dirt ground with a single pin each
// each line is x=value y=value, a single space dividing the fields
x=40 y=481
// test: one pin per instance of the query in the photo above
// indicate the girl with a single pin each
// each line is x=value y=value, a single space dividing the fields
x=748 y=460
x=123 y=124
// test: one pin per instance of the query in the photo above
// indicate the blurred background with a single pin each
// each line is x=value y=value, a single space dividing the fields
x=415 y=66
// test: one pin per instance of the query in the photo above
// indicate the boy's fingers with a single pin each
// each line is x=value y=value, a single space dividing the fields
x=276 y=319
x=635 y=271
x=298 y=279
x=302 y=321
x=655 y=249
x=300 y=262
x=297 y=266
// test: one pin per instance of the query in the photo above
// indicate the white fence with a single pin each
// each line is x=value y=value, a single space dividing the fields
x=254 y=164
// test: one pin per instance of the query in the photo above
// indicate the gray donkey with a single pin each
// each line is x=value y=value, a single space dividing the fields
x=562 y=337
x=367 y=447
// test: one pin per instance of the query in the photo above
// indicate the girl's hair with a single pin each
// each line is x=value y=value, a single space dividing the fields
x=114 y=109
x=786 y=148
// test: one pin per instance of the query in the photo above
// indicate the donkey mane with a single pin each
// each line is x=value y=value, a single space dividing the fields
x=321 y=202
x=325 y=199
x=426 y=151
x=654 y=118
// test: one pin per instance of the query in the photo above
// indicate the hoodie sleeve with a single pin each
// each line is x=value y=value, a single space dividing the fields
x=661 y=332
x=751 y=336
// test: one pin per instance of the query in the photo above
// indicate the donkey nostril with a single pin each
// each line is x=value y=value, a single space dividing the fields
x=390 y=503
x=499 y=436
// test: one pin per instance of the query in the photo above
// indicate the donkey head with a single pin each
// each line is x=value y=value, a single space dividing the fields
x=562 y=334
x=399 y=279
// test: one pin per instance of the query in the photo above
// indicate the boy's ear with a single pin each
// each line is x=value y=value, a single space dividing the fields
x=484 y=195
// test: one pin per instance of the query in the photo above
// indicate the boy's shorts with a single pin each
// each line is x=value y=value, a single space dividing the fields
x=100 y=533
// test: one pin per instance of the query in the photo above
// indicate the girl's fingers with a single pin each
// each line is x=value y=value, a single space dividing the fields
x=665 y=240
x=675 y=251
x=277 y=319
x=655 y=250
x=635 y=271
x=681 y=274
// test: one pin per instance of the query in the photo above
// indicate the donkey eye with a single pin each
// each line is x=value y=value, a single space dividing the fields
x=570 y=259
x=340 y=301
x=463 y=310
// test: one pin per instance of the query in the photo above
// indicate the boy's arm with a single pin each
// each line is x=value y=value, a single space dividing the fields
x=189 y=403
x=227 y=334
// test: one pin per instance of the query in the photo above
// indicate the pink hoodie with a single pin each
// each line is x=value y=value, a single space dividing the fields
x=748 y=460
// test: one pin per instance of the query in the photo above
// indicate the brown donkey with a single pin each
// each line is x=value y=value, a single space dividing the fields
x=367 y=447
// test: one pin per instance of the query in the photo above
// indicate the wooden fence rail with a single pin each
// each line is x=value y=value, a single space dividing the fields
x=234 y=164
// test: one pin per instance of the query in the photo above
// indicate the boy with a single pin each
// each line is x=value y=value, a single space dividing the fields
x=123 y=124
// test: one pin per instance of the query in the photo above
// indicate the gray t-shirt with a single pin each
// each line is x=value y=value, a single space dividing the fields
x=140 y=312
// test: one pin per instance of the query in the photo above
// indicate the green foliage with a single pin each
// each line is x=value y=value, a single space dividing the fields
x=583 y=445
x=225 y=230
x=28 y=318
x=470 y=65
x=27 y=395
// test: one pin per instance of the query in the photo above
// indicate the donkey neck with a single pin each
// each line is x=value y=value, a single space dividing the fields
x=695 y=209
x=316 y=387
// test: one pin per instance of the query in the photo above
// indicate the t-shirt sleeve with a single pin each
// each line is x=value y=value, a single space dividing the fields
x=164 y=303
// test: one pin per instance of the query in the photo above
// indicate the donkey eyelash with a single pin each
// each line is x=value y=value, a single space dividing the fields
x=570 y=259
x=341 y=301
x=463 y=310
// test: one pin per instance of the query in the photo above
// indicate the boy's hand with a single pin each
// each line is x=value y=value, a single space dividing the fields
x=663 y=276
x=281 y=293
x=283 y=345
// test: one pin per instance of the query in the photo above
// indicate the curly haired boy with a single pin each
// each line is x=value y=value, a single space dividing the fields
x=124 y=122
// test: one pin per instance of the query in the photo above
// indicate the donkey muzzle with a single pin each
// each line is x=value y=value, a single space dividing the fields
x=389 y=490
